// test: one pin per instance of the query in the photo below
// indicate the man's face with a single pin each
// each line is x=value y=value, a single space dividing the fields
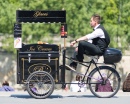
x=92 y=22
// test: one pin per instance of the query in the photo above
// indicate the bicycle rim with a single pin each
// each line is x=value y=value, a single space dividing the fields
x=40 y=84
x=111 y=75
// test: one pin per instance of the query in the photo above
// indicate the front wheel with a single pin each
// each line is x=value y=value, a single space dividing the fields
x=40 y=84
x=104 y=81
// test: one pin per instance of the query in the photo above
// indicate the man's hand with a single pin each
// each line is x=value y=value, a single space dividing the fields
x=72 y=43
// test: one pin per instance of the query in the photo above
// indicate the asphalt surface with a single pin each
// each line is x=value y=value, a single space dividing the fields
x=64 y=97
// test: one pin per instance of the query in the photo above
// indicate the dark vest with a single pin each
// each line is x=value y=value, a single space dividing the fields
x=102 y=43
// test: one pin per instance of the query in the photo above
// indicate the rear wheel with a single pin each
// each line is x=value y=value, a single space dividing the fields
x=40 y=84
x=102 y=77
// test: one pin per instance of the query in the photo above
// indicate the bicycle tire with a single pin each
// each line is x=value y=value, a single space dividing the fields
x=113 y=77
x=43 y=83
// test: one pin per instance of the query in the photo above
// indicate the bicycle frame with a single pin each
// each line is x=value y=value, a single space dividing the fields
x=84 y=75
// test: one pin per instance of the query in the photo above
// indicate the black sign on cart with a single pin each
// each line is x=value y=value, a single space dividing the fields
x=17 y=30
x=41 y=16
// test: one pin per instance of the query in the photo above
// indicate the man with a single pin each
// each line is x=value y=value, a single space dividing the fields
x=100 y=41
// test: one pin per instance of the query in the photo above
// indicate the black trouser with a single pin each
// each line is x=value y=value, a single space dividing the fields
x=85 y=47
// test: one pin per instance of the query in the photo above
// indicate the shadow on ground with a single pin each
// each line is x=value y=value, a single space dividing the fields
x=56 y=96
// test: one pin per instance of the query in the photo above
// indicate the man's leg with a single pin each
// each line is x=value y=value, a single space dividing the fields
x=74 y=54
x=89 y=47
x=74 y=64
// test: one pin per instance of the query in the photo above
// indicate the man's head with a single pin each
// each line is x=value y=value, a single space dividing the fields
x=95 y=20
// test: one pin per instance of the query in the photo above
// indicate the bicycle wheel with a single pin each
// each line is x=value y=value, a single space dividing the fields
x=96 y=78
x=40 y=84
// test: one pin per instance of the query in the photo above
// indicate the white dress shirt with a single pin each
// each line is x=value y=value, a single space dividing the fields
x=97 y=33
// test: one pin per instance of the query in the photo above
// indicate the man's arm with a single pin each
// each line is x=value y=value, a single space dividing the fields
x=77 y=40
x=94 y=34
x=82 y=38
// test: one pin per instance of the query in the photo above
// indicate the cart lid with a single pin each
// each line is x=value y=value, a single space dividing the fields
x=41 y=16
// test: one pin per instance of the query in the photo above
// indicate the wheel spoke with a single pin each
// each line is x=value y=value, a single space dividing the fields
x=109 y=85
x=41 y=84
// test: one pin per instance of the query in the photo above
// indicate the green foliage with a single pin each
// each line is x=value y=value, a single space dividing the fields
x=115 y=15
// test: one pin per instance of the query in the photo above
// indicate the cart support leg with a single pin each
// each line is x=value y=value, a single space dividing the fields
x=63 y=70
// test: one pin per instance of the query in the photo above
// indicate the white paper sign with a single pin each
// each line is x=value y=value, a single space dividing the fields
x=17 y=42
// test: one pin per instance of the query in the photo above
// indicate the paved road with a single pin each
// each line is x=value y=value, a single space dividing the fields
x=58 y=97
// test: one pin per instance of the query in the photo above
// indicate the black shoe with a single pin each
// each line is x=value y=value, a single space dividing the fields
x=79 y=58
x=73 y=65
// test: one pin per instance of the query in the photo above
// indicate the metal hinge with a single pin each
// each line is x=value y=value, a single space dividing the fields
x=49 y=57
x=29 y=58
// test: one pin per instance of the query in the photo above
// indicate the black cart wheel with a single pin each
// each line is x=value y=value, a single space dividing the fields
x=99 y=85
x=40 y=84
